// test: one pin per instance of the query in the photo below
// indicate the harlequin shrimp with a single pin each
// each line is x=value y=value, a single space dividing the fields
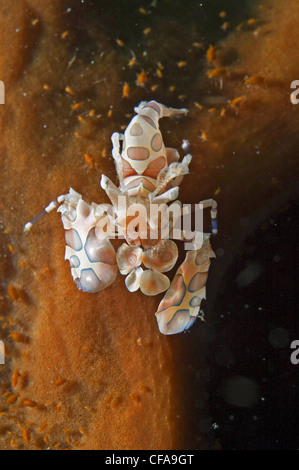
x=149 y=176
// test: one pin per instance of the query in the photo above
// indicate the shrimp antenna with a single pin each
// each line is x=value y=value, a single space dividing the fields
x=46 y=211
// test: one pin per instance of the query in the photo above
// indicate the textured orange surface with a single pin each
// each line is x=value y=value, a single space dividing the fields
x=92 y=371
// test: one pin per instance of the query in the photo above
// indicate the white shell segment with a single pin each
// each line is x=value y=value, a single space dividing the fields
x=128 y=258
x=143 y=154
x=74 y=261
x=92 y=260
x=153 y=283
x=161 y=257
x=180 y=306
x=72 y=239
x=132 y=280
x=89 y=281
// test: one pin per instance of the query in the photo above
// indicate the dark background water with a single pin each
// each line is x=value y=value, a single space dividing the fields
x=253 y=384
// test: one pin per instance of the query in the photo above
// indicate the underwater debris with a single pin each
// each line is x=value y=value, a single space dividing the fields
x=126 y=90
x=29 y=403
x=252 y=21
x=59 y=408
x=182 y=63
x=26 y=435
x=141 y=78
x=60 y=382
x=15 y=378
x=257 y=80
x=197 y=45
x=237 y=102
x=225 y=26
x=78 y=105
x=217 y=72
x=211 y=54
x=203 y=136
x=69 y=90
x=19 y=338
x=119 y=42
x=43 y=427
x=89 y=160
x=142 y=11
x=11 y=400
